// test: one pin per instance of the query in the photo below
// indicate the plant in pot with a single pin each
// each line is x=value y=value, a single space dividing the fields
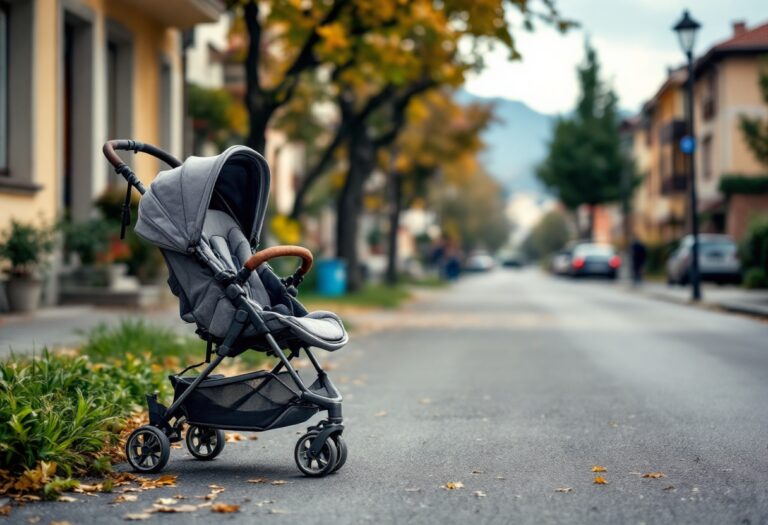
x=94 y=242
x=25 y=247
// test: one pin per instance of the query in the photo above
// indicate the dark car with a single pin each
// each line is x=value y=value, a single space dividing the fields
x=594 y=260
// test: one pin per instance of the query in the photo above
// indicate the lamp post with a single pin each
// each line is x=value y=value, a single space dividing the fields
x=686 y=30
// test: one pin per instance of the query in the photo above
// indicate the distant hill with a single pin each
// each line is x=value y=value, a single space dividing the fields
x=516 y=143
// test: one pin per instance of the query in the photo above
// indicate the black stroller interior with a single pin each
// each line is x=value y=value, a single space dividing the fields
x=206 y=216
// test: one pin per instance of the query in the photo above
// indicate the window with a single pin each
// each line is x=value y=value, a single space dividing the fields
x=706 y=157
x=4 y=89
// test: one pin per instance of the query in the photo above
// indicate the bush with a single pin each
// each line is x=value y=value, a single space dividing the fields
x=63 y=410
x=90 y=240
x=548 y=236
x=25 y=246
x=755 y=278
x=743 y=184
x=754 y=253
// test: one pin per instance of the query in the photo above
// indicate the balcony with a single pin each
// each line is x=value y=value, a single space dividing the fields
x=672 y=132
x=182 y=14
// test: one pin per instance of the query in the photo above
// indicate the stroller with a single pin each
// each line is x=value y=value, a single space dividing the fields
x=206 y=216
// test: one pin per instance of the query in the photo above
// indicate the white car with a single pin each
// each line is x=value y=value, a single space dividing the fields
x=718 y=260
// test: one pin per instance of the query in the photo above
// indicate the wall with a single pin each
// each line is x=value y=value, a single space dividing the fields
x=741 y=210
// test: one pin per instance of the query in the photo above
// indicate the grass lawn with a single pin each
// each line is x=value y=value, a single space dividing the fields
x=371 y=296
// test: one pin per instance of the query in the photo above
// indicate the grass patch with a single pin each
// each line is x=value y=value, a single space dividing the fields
x=63 y=414
x=372 y=296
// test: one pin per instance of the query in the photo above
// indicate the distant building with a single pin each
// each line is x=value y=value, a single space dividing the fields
x=726 y=86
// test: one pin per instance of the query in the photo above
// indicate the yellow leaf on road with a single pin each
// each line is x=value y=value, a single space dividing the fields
x=598 y=468
x=453 y=485
x=653 y=475
x=600 y=480
x=257 y=480
x=138 y=516
x=224 y=508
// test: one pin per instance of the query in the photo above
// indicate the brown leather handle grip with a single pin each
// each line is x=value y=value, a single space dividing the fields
x=256 y=260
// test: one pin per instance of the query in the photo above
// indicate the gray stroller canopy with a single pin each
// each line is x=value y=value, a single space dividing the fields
x=172 y=211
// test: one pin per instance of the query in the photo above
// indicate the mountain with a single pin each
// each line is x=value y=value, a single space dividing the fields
x=516 y=143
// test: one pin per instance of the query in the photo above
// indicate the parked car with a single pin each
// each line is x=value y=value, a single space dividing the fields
x=479 y=262
x=595 y=260
x=718 y=260
x=512 y=260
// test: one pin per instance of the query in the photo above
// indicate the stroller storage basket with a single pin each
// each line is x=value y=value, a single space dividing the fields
x=255 y=401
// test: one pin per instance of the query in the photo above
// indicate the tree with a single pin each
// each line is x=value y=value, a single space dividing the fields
x=585 y=161
x=440 y=135
x=216 y=117
x=548 y=236
x=755 y=130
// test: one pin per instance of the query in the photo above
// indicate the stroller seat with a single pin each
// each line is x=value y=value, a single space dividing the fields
x=280 y=312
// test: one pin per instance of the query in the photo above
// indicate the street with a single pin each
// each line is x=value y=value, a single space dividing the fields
x=514 y=384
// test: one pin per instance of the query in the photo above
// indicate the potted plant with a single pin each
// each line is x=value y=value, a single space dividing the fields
x=25 y=247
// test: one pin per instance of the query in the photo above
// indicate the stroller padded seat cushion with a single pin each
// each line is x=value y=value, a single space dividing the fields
x=320 y=329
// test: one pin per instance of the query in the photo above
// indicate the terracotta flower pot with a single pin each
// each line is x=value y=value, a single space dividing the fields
x=23 y=293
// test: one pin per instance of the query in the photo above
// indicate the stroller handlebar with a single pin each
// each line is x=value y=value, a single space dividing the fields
x=257 y=259
x=110 y=152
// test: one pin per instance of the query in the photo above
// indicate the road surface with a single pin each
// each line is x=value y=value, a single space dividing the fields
x=514 y=384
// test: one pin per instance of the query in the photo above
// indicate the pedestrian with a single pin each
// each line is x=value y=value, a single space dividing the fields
x=638 y=261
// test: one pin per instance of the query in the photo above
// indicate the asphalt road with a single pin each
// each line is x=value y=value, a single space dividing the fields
x=514 y=384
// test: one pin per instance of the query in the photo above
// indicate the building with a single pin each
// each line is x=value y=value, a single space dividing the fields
x=726 y=86
x=74 y=73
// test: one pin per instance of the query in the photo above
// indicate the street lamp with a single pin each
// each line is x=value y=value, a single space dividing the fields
x=686 y=30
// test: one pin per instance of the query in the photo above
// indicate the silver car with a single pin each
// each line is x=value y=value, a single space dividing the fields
x=718 y=260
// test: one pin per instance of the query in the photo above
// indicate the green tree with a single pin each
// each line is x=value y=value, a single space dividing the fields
x=755 y=130
x=585 y=160
x=549 y=235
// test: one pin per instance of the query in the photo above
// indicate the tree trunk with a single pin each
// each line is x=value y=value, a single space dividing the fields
x=257 y=133
x=361 y=157
x=396 y=206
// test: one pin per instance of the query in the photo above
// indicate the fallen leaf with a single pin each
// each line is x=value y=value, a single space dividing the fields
x=598 y=468
x=33 y=519
x=477 y=472
x=5 y=510
x=122 y=498
x=216 y=488
x=279 y=482
x=137 y=516
x=278 y=511
x=381 y=413
x=180 y=496
x=165 y=501
x=654 y=475
x=224 y=508
x=453 y=485
x=233 y=437
x=253 y=437
x=59 y=523
x=564 y=489
x=67 y=499
x=671 y=487
x=257 y=480
x=600 y=480
x=174 y=508
x=479 y=494
x=163 y=481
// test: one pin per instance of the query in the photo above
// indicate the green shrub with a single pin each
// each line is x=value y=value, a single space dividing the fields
x=59 y=409
x=743 y=184
x=88 y=239
x=754 y=253
x=25 y=246
x=755 y=278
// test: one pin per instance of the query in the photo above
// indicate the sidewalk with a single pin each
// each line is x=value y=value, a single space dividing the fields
x=730 y=298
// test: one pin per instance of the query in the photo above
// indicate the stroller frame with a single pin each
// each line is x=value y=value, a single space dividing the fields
x=318 y=452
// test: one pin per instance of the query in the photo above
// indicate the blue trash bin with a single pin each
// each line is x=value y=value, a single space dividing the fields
x=331 y=277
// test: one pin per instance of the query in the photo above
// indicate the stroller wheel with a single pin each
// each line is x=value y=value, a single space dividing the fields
x=341 y=448
x=204 y=443
x=320 y=465
x=148 y=449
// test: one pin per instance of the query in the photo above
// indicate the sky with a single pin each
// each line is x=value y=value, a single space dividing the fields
x=633 y=39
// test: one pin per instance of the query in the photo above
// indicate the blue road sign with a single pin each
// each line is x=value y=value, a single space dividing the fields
x=687 y=144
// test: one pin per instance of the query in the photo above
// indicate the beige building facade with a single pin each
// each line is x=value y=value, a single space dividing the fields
x=77 y=73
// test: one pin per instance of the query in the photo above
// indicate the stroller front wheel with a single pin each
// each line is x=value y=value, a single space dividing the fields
x=204 y=443
x=341 y=448
x=147 y=449
x=320 y=464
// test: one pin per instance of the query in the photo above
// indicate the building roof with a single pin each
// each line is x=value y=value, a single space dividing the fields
x=743 y=41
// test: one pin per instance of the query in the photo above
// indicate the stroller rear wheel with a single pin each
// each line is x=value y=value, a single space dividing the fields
x=321 y=464
x=148 y=449
x=204 y=443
